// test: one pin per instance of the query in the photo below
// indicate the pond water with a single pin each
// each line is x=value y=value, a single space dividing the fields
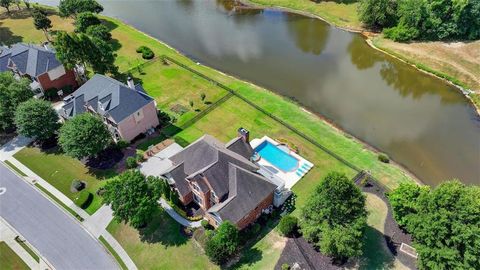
x=418 y=120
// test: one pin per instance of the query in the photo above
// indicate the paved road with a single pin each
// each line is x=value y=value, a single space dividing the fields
x=58 y=237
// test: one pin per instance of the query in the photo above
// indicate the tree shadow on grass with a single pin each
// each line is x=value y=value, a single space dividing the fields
x=116 y=45
x=162 y=229
x=249 y=253
x=376 y=254
x=7 y=37
x=109 y=24
x=15 y=14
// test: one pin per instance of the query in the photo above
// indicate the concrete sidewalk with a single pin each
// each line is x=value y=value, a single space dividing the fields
x=13 y=146
x=177 y=217
x=8 y=235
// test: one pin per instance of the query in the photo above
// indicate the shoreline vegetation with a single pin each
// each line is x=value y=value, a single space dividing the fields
x=465 y=77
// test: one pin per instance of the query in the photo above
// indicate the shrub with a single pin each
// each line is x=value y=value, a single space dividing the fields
x=122 y=144
x=285 y=266
x=163 y=118
x=50 y=94
x=383 y=158
x=67 y=90
x=84 y=199
x=146 y=52
x=288 y=225
x=131 y=162
x=77 y=185
x=139 y=157
x=205 y=224
x=100 y=191
x=401 y=33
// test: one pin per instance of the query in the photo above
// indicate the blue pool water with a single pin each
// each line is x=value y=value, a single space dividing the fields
x=276 y=156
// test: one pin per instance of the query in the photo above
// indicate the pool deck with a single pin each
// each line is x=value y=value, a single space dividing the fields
x=290 y=178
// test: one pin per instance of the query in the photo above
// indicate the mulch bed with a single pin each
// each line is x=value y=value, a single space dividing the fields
x=299 y=251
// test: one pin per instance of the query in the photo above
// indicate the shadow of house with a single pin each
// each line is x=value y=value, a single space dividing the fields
x=7 y=37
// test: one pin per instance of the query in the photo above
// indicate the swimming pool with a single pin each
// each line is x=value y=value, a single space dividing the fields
x=276 y=156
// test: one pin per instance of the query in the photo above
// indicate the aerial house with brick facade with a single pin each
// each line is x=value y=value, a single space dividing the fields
x=40 y=65
x=221 y=180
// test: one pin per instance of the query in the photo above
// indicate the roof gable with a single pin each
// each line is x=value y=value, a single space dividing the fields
x=29 y=59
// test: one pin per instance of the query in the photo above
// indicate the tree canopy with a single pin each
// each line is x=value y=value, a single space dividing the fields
x=74 y=49
x=223 y=243
x=73 y=7
x=41 y=21
x=36 y=119
x=100 y=31
x=423 y=19
x=12 y=93
x=6 y=4
x=444 y=223
x=132 y=199
x=84 y=20
x=84 y=135
x=334 y=217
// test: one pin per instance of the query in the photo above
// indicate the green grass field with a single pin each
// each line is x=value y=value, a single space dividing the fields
x=160 y=245
x=339 y=14
x=9 y=260
x=60 y=170
x=173 y=89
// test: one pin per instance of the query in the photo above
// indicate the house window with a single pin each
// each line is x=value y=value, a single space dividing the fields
x=195 y=186
x=197 y=199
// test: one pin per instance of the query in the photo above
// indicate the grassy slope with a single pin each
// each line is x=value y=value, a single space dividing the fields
x=60 y=170
x=9 y=260
x=438 y=58
x=339 y=14
x=160 y=245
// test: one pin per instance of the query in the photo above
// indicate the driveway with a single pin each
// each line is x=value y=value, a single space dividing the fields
x=58 y=237
x=159 y=163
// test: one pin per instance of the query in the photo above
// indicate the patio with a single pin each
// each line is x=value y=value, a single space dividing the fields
x=159 y=162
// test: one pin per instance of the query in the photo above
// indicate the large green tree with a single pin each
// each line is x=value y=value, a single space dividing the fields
x=222 y=243
x=41 y=21
x=444 y=223
x=99 y=31
x=84 y=135
x=378 y=13
x=334 y=217
x=84 y=20
x=73 y=49
x=6 y=4
x=132 y=199
x=12 y=93
x=36 y=119
x=71 y=8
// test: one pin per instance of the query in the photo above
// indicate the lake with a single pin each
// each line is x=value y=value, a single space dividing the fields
x=420 y=121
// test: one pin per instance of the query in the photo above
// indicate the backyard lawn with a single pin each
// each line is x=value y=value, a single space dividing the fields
x=9 y=260
x=60 y=170
x=174 y=88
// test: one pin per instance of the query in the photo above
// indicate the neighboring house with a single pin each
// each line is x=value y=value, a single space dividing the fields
x=221 y=179
x=126 y=109
x=39 y=64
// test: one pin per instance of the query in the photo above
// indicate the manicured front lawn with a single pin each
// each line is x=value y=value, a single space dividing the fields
x=60 y=170
x=174 y=88
x=160 y=245
x=9 y=260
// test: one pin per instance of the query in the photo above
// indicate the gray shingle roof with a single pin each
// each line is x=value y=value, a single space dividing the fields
x=210 y=157
x=238 y=145
x=28 y=59
x=106 y=96
x=230 y=174
x=247 y=190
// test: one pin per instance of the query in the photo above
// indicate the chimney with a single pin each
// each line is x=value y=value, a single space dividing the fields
x=244 y=134
x=130 y=83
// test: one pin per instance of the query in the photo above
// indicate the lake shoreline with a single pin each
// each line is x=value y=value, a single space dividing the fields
x=368 y=39
x=289 y=99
